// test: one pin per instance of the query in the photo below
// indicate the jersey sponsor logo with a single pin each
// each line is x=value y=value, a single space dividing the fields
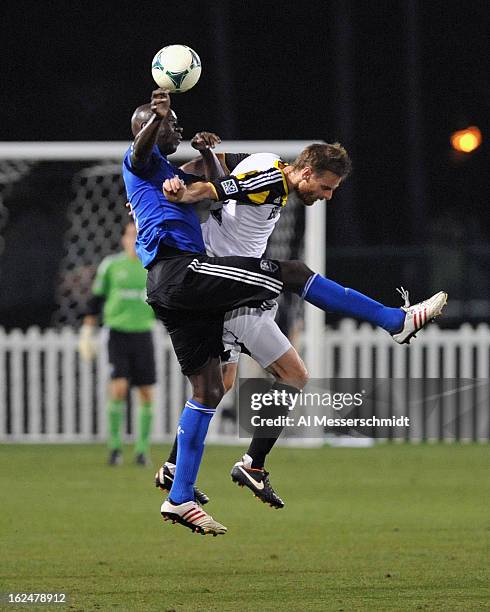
x=229 y=187
x=268 y=266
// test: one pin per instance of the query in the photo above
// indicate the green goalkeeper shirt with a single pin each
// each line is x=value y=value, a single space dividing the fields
x=121 y=281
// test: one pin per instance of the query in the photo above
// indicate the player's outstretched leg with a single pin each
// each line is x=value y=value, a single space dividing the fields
x=257 y=480
x=164 y=480
x=191 y=515
x=402 y=323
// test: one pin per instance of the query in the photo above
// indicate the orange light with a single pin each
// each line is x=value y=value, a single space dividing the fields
x=466 y=140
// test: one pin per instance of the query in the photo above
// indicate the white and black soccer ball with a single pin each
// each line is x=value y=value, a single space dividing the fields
x=176 y=68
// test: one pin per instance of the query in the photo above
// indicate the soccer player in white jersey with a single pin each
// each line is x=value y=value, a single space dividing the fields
x=241 y=229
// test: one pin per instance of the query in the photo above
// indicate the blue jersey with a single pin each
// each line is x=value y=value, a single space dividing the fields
x=157 y=219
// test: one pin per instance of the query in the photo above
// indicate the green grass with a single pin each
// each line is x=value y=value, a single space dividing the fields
x=386 y=528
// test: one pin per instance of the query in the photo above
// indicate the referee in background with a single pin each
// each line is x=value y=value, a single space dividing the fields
x=119 y=292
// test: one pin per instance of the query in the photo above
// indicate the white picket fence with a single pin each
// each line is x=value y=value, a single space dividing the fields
x=48 y=394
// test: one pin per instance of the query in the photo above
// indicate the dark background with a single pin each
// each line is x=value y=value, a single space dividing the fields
x=390 y=80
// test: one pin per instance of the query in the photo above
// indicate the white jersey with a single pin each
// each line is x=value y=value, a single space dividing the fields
x=243 y=229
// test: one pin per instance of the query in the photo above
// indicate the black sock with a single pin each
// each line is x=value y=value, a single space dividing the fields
x=260 y=446
x=172 y=458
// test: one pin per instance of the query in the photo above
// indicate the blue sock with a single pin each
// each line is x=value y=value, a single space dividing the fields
x=329 y=296
x=191 y=433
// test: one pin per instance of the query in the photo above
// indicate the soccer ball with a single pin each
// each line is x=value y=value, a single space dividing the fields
x=176 y=68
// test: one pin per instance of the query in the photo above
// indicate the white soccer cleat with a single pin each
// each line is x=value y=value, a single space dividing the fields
x=418 y=315
x=191 y=515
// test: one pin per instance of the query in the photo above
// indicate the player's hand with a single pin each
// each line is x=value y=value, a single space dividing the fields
x=130 y=210
x=174 y=189
x=160 y=103
x=205 y=140
x=87 y=344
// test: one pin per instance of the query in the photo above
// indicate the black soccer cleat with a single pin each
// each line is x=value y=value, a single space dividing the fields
x=258 y=482
x=115 y=457
x=164 y=480
x=142 y=459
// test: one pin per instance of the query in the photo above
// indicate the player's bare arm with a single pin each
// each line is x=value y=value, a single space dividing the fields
x=175 y=190
x=145 y=140
x=196 y=165
x=205 y=142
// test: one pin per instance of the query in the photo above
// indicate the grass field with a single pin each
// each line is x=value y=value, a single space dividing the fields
x=385 y=528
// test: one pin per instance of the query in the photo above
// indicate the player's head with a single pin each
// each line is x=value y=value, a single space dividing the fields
x=169 y=133
x=320 y=168
x=128 y=239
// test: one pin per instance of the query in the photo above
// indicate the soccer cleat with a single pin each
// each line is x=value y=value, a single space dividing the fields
x=142 y=459
x=418 y=315
x=115 y=457
x=164 y=480
x=257 y=481
x=191 y=515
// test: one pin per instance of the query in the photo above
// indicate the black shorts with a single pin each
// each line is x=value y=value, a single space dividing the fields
x=190 y=293
x=131 y=356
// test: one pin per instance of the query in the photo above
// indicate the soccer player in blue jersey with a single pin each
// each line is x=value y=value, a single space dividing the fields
x=157 y=134
x=191 y=291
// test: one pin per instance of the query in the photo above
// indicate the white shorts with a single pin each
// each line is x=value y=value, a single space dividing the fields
x=255 y=332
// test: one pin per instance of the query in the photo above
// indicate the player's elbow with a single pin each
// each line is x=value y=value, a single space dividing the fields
x=137 y=160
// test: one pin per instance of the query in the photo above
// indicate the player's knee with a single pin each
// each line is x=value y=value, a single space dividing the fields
x=295 y=273
x=296 y=377
x=146 y=393
x=119 y=389
x=290 y=369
